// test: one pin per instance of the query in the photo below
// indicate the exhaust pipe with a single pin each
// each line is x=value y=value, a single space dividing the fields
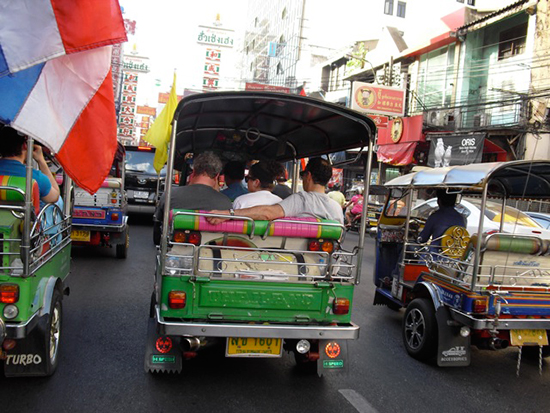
x=498 y=344
x=191 y=344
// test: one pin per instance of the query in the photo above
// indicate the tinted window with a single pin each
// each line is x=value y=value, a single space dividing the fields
x=142 y=162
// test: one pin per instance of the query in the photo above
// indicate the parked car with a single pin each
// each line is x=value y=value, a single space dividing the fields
x=515 y=221
x=142 y=181
x=540 y=218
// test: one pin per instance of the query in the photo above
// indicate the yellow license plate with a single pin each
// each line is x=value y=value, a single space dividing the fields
x=528 y=337
x=80 y=235
x=253 y=347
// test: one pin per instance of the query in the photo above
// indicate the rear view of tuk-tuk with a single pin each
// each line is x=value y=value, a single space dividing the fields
x=101 y=218
x=471 y=287
x=255 y=288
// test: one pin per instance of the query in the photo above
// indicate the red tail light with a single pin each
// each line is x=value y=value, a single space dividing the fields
x=314 y=245
x=176 y=299
x=9 y=293
x=114 y=216
x=191 y=237
x=480 y=305
x=194 y=238
x=340 y=306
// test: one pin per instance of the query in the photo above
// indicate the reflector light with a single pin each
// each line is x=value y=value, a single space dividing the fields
x=340 y=306
x=164 y=344
x=180 y=236
x=176 y=299
x=480 y=306
x=328 y=246
x=314 y=245
x=9 y=293
x=9 y=344
x=114 y=216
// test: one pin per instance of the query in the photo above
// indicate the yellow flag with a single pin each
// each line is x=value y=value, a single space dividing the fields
x=159 y=133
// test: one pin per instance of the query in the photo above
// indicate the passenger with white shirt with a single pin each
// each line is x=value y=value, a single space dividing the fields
x=312 y=202
x=261 y=180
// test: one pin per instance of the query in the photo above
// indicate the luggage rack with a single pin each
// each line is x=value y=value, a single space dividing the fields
x=269 y=264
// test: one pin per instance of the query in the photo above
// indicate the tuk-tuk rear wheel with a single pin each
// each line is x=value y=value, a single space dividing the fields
x=420 y=329
x=122 y=249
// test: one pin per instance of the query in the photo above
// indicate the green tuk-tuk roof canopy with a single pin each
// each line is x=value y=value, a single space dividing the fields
x=515 y=179
x=267 y=125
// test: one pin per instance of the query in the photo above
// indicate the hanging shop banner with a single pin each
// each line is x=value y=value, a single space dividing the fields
x=449 y=150
x=377 y=99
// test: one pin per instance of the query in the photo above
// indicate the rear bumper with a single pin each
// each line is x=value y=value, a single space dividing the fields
x=101 y=228
x=501 y=324
x=141 y=208
x=285 y=331
x=17 y=331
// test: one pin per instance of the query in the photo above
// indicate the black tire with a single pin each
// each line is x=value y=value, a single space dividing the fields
x=157 y=230
x=420 y=329
x=122 y=249
x=532 y=352
x=52 y=334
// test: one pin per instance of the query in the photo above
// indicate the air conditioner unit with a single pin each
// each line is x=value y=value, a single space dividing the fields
x=453 y=119
x=482 y=119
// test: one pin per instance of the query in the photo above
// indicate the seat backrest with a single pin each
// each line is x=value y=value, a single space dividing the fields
x=299 y=228
x=13 y=195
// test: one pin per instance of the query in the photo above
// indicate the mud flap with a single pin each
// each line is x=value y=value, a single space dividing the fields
x=162 y=353
x=383 y=297
x=453 y=349
x=333 y=357
x=28 y=357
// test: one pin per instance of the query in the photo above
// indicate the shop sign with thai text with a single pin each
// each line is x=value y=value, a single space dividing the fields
x=377 y=99
x=216 y=36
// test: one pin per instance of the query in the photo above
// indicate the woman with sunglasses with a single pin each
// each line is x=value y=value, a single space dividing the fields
x=261 y=180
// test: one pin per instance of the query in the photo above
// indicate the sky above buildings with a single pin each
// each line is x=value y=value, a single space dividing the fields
x=166 y=33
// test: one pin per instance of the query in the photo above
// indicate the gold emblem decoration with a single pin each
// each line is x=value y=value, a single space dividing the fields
x=455 y=241
x=396 y=130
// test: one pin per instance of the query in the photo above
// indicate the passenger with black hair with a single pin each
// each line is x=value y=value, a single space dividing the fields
x=13 y=150
x=261 y=179
x=312 y=202
x=442 y=219
x=282 y=190
x=233 y=174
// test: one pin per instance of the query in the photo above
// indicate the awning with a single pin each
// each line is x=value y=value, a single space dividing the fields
x=397 y=143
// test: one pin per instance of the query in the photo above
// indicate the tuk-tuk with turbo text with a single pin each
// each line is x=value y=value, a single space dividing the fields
x=257 y=287
x=101 y=219
x=35 y=264
x=489 y=289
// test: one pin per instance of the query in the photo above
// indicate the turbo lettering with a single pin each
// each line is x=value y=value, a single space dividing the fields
x=23 y=359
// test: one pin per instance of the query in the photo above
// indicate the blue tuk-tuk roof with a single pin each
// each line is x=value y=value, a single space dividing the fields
x=267 y=125
x=514 y=179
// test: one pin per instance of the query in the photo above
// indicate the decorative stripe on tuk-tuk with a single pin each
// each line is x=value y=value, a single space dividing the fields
x=278 y=229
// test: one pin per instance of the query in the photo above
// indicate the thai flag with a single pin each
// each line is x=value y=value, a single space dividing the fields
x=55 y=79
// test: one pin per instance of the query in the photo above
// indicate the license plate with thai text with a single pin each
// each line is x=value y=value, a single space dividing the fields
x=253 y=347
x=80 y=235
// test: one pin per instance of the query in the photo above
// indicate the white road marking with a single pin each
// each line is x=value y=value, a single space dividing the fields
x=357 y=401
